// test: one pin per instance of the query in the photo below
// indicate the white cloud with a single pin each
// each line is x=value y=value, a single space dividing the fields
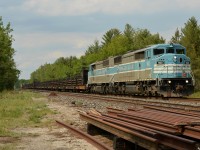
x=188 y=4
x=83 y=7
x=55 y=55
x=39 y=39
x=35 y=49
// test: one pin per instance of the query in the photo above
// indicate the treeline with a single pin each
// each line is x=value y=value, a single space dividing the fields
x=116 y=42
x=8 y=71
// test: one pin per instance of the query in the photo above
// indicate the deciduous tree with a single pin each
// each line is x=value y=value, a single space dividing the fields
x=8 y=71
x=191 y=40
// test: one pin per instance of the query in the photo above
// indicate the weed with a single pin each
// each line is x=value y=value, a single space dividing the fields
x=18 y=109
x=195 y=95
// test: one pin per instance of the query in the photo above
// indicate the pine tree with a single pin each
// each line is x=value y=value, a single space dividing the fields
x=110 y=35
x=177 y=37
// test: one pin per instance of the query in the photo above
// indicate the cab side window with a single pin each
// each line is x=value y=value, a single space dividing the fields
x=158 y=51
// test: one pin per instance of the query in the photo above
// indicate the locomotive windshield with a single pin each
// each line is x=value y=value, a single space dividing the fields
x=170 y=50
x=158 y=51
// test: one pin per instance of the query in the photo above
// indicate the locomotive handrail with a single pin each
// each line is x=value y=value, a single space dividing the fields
x=112 y=79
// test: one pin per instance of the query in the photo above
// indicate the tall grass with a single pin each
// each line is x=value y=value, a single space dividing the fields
x=18 y=109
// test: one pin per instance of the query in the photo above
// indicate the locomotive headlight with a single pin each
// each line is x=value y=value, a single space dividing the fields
x=169 y=81
x=175 y=58
x=186 y=81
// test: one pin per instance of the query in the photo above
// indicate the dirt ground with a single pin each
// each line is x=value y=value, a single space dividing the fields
x=54 y=137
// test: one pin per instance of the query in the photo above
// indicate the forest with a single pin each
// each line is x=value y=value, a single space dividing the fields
x=115 y=42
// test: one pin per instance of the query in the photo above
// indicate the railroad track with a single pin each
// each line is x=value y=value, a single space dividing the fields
x=184 y=104
x=172 y=99
x=184 y=99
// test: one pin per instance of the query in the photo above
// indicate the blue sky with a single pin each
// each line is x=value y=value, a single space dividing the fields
x=45 y=30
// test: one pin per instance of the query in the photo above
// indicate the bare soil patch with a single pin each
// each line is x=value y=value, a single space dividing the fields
x=4 y=140
x=52 y=136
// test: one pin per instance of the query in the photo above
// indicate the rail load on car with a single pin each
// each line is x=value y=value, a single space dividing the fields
x=75 y=84
x=158 y=70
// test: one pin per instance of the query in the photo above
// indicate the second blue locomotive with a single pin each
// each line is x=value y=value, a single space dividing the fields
x=158 y=70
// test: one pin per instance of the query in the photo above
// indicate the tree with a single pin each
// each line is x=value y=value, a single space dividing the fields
x=129 y=31
x=110 y=35
x=114 y=43
x=191 y=40
x=143 y=38
x=118 y=46
x=177 y=37
x=94 y=48
x=191 y=36
x=8 y=71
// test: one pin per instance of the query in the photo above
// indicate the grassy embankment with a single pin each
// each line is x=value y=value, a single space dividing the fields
x=20 y=110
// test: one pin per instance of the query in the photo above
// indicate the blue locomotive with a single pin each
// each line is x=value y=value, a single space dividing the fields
x=158 y=70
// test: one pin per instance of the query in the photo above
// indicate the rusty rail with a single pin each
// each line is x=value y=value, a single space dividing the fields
x=179 y=123
x=85 y=136
x=170 y=128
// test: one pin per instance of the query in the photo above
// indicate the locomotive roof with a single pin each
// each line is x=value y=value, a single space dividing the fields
x=153 y=46
x=131 y=52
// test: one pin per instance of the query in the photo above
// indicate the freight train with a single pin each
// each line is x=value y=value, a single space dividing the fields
x=158 y=70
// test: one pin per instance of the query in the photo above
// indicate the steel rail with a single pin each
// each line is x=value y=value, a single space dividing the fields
x=85 y=136
x=95 y=118
x=183 y=112
x=166 y=139
x=148 y=124
x=150 y=119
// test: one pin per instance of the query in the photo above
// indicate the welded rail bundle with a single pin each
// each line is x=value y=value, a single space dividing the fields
x=158 y=70
x=150 y=128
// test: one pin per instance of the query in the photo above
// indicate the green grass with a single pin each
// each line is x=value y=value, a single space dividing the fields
x=18 y=109
x=195 y=95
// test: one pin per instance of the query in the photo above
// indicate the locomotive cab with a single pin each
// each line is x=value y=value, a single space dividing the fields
x=172 y=71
